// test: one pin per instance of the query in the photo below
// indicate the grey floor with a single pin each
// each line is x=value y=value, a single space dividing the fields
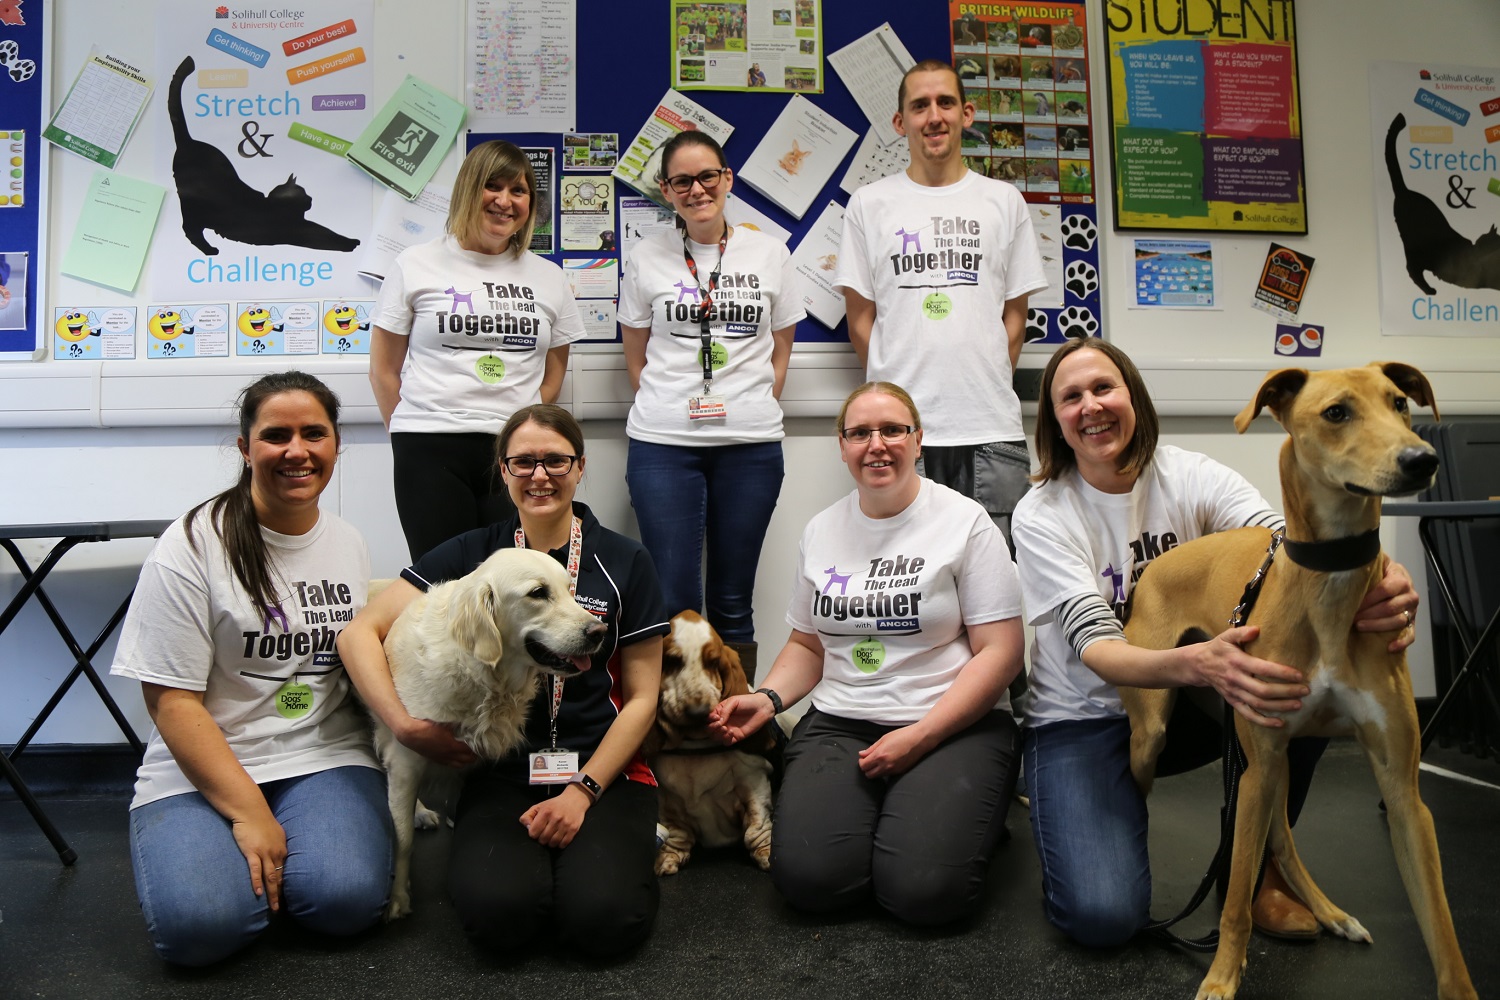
x=723 y=932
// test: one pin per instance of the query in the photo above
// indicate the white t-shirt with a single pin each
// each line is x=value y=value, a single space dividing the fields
x=276 y=688
x=889 y=599
x=940 y=263
x=1072 y=539
x=756 y=295
x=479 y=327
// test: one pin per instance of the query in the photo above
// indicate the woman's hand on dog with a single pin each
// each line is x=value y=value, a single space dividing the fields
x=263 y=843
x=1254 y=687
x=733 y=719
x=554 y=822
x=436 y=742
x=1391 y=606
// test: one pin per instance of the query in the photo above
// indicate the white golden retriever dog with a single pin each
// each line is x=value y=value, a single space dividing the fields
x=470 y=653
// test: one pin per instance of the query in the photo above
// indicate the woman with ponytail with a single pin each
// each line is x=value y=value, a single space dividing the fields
x=259 y=791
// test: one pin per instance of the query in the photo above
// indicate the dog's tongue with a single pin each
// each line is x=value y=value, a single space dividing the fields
x=581 y=662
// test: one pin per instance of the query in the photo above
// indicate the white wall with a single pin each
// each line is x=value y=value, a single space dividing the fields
x=85 y=442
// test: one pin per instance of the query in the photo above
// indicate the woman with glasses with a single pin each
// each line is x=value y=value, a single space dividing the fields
x=906 y=632
x=537 y=863
x=707 y=317
x=469 y=328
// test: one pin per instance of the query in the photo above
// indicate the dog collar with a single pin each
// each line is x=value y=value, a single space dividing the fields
x=1335 y=555
x=694 y=748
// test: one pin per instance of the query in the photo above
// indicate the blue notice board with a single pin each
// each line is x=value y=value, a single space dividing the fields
x=24 y=70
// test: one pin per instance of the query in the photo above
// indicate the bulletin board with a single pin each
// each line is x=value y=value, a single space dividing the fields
x=25 y=68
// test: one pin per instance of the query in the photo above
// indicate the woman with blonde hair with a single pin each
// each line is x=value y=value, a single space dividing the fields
x=469 y=328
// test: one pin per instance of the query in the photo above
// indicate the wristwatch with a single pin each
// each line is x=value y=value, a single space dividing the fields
x=776 y=706
x=588 y=785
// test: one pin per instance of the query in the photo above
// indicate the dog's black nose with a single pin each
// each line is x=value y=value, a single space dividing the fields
x=1417 y=462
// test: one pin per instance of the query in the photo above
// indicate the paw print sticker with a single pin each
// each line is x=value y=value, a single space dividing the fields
x=1081 y=278
x=1077 y=322
x=1079 y=233
x=1036 y=326
x=20 y=70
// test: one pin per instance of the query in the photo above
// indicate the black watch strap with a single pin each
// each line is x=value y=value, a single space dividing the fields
x=776 y=705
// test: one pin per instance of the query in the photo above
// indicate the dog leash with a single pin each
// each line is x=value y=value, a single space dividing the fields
x=1234 y=768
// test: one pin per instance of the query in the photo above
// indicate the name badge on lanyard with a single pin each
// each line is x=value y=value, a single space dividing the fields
x=556 y=765
x=708 y=405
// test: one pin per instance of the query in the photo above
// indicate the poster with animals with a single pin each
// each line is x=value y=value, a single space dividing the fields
x=259 y=204
x=1025 y=69
x=1435 y=132
x=1205 y=116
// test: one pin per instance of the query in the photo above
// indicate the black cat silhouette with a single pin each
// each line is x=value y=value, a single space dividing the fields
x=1430 y=242
x=214 y=197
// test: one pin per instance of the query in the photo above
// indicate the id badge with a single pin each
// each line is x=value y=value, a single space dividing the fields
x=707 y=407
x=553 y=767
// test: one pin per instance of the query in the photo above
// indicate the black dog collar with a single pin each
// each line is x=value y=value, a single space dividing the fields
x=1336 y=555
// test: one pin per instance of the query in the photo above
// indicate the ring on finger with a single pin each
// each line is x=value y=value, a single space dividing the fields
x=1407 y=615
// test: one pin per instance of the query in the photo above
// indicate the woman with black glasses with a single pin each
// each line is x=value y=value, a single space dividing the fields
x=536 y=862
x=906 y=631
x=707 y=317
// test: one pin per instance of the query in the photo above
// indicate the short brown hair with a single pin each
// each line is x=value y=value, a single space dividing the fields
x=891 y=389
x=496 y=160
x=929 y=66
x=1054 y=456
x=548 y=415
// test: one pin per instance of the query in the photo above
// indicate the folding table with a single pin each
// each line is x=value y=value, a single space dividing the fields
x=68 y=536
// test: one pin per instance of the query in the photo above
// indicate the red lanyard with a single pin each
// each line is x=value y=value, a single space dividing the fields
x=575 y=559
x=706 y=301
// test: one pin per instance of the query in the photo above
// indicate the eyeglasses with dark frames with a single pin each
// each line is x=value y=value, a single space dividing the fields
x=889 y=433
x=708 y=180
x=524 y=466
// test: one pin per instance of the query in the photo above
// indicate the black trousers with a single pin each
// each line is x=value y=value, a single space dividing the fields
x=446 y=484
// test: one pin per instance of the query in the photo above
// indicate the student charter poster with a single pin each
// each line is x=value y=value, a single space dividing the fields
x=254 y=103
x=1435 y=129
x=1205 y=119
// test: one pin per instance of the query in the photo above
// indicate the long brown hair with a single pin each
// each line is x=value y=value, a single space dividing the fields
x=231 y=514
x=1054 y=456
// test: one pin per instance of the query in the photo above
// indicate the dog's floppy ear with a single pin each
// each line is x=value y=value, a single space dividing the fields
x=1279 y=389
x=731 y=670
x=473 y=618
x=1410 y=381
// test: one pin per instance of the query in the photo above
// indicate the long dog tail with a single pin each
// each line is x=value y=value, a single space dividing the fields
x=174 y=102
x=1392 y=162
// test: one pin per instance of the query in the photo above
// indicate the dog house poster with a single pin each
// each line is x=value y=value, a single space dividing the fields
x=1205 y=119
x=1435 y=132
x=1025 y=68
x=254 y=105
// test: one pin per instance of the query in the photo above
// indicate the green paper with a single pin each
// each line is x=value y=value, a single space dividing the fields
x=114 y=231
x=409 y=137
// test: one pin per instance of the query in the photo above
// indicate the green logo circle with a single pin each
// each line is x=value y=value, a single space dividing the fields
x=937 y=306
x=294 y=700
x=869 y=655
x=490 y=369
x=720 y=356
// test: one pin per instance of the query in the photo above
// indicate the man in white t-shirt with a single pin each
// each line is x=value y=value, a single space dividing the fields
x=936 y=267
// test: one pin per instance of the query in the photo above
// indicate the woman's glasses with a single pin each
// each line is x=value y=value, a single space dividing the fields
x=553 y=465
x=889 y=433
x=708 y=180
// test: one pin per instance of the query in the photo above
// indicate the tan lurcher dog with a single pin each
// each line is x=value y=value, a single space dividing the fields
x=1350 y=444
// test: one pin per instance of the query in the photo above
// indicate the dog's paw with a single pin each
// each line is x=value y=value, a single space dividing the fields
x=426 y=819
x=669 y=862
x=1079 y=232
x=1036 y=326
x=1077 y=322
x=1348 y=928
x=1081 y=278
x=762 y=858
x=399 y=906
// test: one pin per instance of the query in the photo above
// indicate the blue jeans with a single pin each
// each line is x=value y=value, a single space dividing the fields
x=725 y=496
x=1088 y=819
x=194 y=884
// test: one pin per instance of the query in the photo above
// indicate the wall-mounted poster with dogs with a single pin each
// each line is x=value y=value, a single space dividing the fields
x=256 y=101
x=1025 y=68
x=1436 y=134
x=1205 y=116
